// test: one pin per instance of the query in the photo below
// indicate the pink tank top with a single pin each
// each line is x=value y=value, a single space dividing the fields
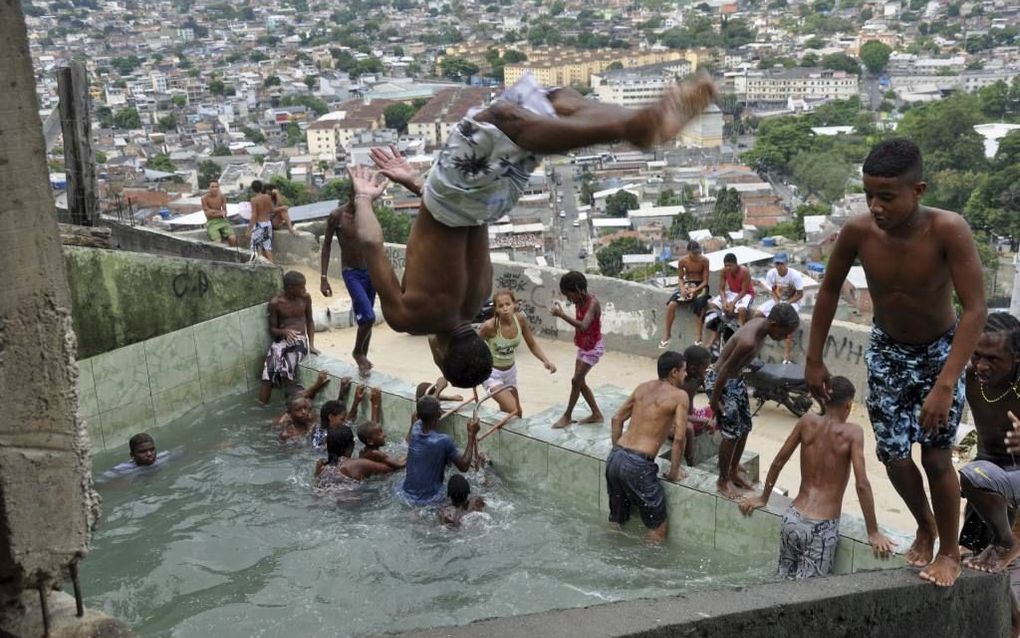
x=587 y=339
x=733 y=282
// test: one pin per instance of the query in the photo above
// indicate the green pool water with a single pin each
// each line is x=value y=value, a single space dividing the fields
x=227 y=538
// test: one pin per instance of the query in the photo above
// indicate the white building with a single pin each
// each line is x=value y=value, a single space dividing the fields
x=808 y=83
x=638 y=86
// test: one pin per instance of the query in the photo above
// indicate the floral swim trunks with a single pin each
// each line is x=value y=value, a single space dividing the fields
x=900 y=376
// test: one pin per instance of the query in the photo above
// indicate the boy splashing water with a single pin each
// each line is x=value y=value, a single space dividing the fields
x=914 y=258
x=479 y=176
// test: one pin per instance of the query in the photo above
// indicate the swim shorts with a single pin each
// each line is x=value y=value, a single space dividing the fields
x=745 y=300
x=698 y=304
x=262 y=237
x=501 y=377
x=591 y=357
x=1004 y=481
x=735 y=419
x=219 y=229
x=900 y=376
x=806 y=546
x=633 y=479
x=359 y=287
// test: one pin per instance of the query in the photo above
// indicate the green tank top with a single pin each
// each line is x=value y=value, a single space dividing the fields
x=503 y=349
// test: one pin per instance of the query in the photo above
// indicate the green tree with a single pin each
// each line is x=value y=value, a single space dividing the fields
x=127 y=118
x=728 y=213
x=779 y=141
x=610 y=258
x=338 y=189
x=841 y=62
x=167 y=123
x=161 y=163
x=216 y=87
x=294 y=134
x=944 y=131
x=875 y=55
x=396 y=226
x=950 y=189
x=1008 y=153
x=179 y=101
x=221 y=150
x=272 y=80
x=296 y=193
x=253 y=135
x=810 y=59
x=310 y=81
x=683 y=224
x=208 y=170
x=397 y=116
x=457 y=69
x=100 y=157
x=620 y=202
x=105 y=116
x=823 y=175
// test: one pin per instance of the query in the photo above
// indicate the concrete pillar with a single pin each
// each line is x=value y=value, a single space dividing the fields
x=1014 y=303
x=47 y=504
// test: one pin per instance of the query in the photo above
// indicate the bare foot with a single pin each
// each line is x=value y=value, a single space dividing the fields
x=922 y=550
x=978 y=562
x=742 y=482
x=595 y=418
x=564 y=421
x=943 y=572
x=999 y=557
x=729 y=490
x=678 y=106
x=364 y=365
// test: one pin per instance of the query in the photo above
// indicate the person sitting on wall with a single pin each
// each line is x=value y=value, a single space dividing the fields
x=279 y=216
x=829 y=447
x=293 y=331
x=214 y=205
x=429 y=452
x=298 y=420
x=655 y=409
x=461 y=502
x=340 y=468
x=736 y=293
x=786 y=285
x=373 y=437
x=480 y=174
x=728 y=392
x=693 y=289
x=142 y=448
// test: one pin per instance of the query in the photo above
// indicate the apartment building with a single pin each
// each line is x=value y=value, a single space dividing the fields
x=331 y=134
x=781 y=84
x=434 y=120
x=575 y=67
x=638 y=86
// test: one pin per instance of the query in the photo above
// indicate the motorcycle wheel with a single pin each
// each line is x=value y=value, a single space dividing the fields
x=798 y=402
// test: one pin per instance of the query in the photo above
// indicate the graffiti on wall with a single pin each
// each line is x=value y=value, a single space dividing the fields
x=534 y=299
x=190 y=282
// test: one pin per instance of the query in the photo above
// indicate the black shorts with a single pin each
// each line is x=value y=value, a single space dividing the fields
x=698 y=304
x=633 y=479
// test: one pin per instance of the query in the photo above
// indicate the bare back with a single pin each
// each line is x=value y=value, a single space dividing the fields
x=654 y=409
x=351 y=254
x=909 y=276
x=825 y=459
x=261 y=208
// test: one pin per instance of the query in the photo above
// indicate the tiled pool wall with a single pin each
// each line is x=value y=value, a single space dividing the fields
x=150 y=383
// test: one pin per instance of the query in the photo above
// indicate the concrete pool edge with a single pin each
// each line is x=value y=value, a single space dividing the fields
x=883 y=603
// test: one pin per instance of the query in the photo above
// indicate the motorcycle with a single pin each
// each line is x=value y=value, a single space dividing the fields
x=782 y=383
x=486 y=312
x=725 y=325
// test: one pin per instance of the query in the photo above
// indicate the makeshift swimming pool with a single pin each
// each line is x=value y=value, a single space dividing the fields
x=226 y=538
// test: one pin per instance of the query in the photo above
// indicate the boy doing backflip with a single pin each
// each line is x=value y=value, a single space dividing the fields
x=480 y=174
x=829 y=447
x=914 y=258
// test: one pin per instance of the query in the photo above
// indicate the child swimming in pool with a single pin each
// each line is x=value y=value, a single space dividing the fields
x=461 y=501
x=297 y=421
x=142 y=448
x=371 y=434
x=339 y=467
x=335 y=413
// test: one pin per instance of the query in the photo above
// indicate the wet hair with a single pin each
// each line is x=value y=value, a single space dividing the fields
x=468 y=359
x=504 y=292
x=339 y=443
x=138 y=439
x=784 y=316
x=1007 y=325
x=365 y=431
x=328 y=409
x=573 y=281
x=693 y=245
x=428 y=409
x=669 y=361
x=256 y=186
x=842 y=391
x=422 y=388
x=697 y=355
x=458 y=489
x=729 y=258
x=896 y=157
x=292 y=278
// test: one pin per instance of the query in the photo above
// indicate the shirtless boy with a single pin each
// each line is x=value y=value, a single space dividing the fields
x=481 y=172
x=260 y=227
x=991 y=483
x=299 y=420
x=829 y=446
x=280 y=213
x=914 y=258
x=697 y=360
x=656 y=409
x=693 y=289
x=293 y=332
x=214 y=205
x=728 y=393
x=354 y=271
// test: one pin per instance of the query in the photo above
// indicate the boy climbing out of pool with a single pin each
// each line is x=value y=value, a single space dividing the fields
x=429 y=452
x=728 y=392
x=339 y=466
x=829 y=447
x=481 y=172
x=298 y=420
x=655 y=410
x=914 y=258
x=587 y=324
x=461 y=502
x=293 y=332
x=354 y=271
x=372 y=436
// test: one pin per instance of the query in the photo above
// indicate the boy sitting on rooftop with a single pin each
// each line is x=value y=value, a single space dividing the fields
x=829 y=447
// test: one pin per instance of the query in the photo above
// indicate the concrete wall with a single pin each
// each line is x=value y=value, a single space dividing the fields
x=121 y=298
x=889 y=604
x=146 y=384
x=144 y=239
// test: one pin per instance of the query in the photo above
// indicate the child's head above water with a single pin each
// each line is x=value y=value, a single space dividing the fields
x=339 y=443
x=299 y=408
x=332 y=414
x=458 y=490
x=143 y=449
x=371 y=434
x=428 y=409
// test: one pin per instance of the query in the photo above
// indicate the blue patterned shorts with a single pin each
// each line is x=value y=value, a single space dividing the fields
x=735 y=419
x=807 y=547
x=900 y=376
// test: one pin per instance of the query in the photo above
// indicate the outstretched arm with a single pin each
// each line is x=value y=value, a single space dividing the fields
x=310 y=325
x=593 y=312
x=529 y=338
x=463 y=461
x=749 y=505
x=392 y=164
x=319 y=384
